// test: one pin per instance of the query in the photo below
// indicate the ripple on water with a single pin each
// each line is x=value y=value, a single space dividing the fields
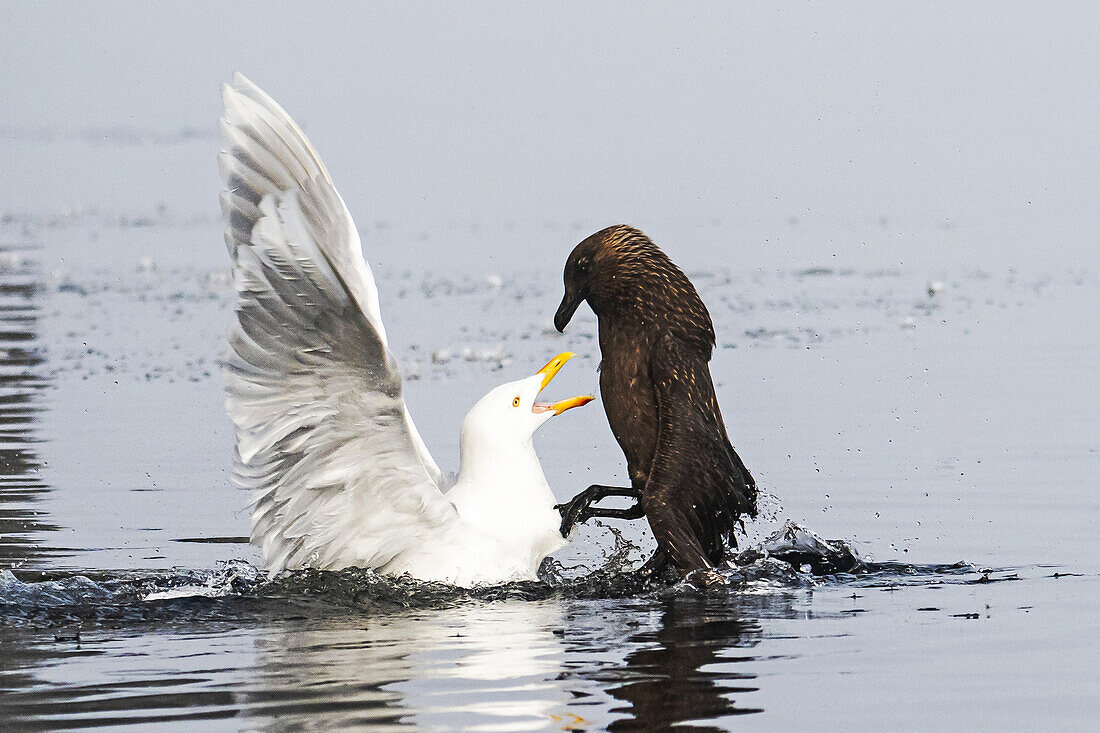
x=21 y=383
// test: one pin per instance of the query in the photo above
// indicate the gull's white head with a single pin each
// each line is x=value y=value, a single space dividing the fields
x=510 y=414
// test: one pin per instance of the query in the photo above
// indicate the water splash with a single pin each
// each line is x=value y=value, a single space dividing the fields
x=792 y=558
x=232 y=577
x=805 y=551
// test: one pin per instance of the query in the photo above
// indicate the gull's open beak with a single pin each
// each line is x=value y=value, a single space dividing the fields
x=548 y=372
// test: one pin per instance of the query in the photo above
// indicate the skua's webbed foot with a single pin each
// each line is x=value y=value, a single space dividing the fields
x=579 y=509
x=571 y=513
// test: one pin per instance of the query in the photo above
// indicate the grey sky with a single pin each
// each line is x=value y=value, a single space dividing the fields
x=969 y=131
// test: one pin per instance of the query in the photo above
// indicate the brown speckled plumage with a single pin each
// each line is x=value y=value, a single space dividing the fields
x=656 y=339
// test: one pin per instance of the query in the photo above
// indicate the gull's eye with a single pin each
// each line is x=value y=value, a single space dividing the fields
x=515 y=402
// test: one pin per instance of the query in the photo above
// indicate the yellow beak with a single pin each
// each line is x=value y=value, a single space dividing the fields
x=548 y=373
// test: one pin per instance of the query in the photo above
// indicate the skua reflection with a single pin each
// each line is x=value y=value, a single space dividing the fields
x=686 y=670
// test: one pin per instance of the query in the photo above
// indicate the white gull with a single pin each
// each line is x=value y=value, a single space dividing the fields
x=340 y=475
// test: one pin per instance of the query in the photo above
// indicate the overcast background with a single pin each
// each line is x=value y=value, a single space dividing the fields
x=754 y=136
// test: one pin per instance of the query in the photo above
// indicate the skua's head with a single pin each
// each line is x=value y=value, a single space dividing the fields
x=615 y=266
x=627 y=280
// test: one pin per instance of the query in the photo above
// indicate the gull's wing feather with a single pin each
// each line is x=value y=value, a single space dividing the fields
x=340 y=474
x=266 y=152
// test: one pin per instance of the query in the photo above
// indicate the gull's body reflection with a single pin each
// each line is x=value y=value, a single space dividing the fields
x=487 y=666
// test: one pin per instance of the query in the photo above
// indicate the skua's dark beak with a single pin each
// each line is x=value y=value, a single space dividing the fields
x=566 y=310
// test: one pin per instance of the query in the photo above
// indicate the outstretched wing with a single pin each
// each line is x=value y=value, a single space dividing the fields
x=340 y=474
x=697 y=487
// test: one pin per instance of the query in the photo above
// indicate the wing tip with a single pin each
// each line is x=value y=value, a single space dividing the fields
x=240 y=84
x=230 y=89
